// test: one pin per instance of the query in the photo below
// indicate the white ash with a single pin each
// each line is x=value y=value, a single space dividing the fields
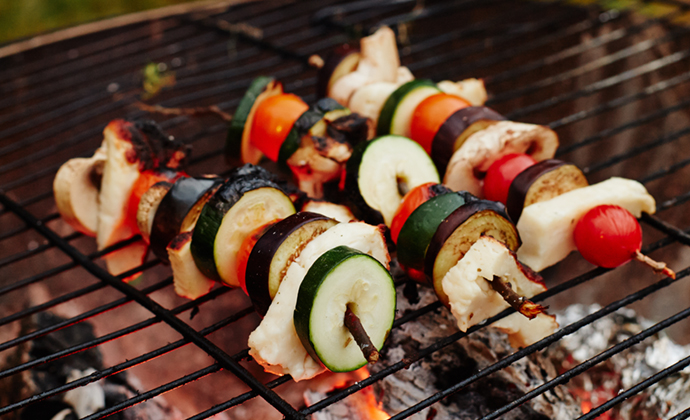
x=624 y=370
x=450 y=365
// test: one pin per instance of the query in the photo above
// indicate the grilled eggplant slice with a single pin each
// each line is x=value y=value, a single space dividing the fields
x=341 y=279
x=415 y=235
x=178 y=211
x=470 y=294
x=275 y=250
x=240 y=205
x=542 y=181
x=470 y=162
x=380 y=173
x=148 y=206
x=459 y=231
x=189 y=282
x=456 y=129
x=275 y=343
x=546 y=228
x=76 y=188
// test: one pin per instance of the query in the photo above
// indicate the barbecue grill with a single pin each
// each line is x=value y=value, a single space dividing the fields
x=613 y=83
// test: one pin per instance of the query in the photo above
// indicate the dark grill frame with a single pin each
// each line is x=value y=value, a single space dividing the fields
x=31 y=117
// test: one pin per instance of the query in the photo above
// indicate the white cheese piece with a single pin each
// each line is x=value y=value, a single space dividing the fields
x=471 y=90
x=189 y=282
x=484 y=147
x=523 y=332
x=471 y=297
x=546 y=228
x=275 y=344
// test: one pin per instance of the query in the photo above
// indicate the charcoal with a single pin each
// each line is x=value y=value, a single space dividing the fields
x=81 y=401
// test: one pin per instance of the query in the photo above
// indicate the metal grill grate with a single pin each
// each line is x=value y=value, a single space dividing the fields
x=612 y=84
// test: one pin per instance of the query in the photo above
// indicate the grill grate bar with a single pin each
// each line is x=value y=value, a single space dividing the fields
x=633 y=297
x=602 y=84
x=608 y=59
x=676 y=367
x=515 y=356
x=174 y=322
x=121 y=367
x=605 y=355
x=108 y=337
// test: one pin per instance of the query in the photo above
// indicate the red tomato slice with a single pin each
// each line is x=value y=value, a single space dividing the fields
x=145 y=181
x=430 y=115
x=608 y=236
x=246 y=250
x=413 y=199
x=273 y=120
x=501 y=174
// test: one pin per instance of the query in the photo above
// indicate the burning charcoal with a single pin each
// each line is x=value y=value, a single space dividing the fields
x=597 y=385
x=81 y=401
x=458 y=361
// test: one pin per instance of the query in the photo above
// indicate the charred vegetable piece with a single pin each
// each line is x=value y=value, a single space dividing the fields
x=189 y=282
x=148 y=206
x=470 y=162
x=132 y=149
x=459 y=231
x=419 y=229
x=275 y=343
x=178 y=211
x=470 y=289
x=233 y=143
x=368 y=100
x=397 y=111
x=275 y=250
x=142 y=185
x=546 y=228
x=542 y=181
x=456 y=129
x=340 y=62
x=239 y=206
x=381 y=172
x=76 y=188
x=345 y=309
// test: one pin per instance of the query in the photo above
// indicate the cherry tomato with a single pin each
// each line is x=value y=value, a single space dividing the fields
x=608 y=236
x=430 y=115
x=501 y=174
x=145 y=181
x=273 y=120
x=413 y=199
x=246 y=249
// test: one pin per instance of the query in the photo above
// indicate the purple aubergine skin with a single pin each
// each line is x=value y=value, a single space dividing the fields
x=334 y=59
x=522 y=183
x=442 y=147
x=259 y=261
x=173 y=209
x=452 y=222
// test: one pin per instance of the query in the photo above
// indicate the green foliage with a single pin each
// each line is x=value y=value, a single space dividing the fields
x=24 y=18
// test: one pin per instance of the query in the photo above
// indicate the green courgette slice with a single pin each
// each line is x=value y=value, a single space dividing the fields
x=233 y=143
x=340 y=278
x=397 y=111
x=240 y=205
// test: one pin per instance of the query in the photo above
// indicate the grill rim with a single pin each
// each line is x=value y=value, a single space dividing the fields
x=33 y=223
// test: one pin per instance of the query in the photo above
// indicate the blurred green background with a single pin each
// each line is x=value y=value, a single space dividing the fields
x=23 y=18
